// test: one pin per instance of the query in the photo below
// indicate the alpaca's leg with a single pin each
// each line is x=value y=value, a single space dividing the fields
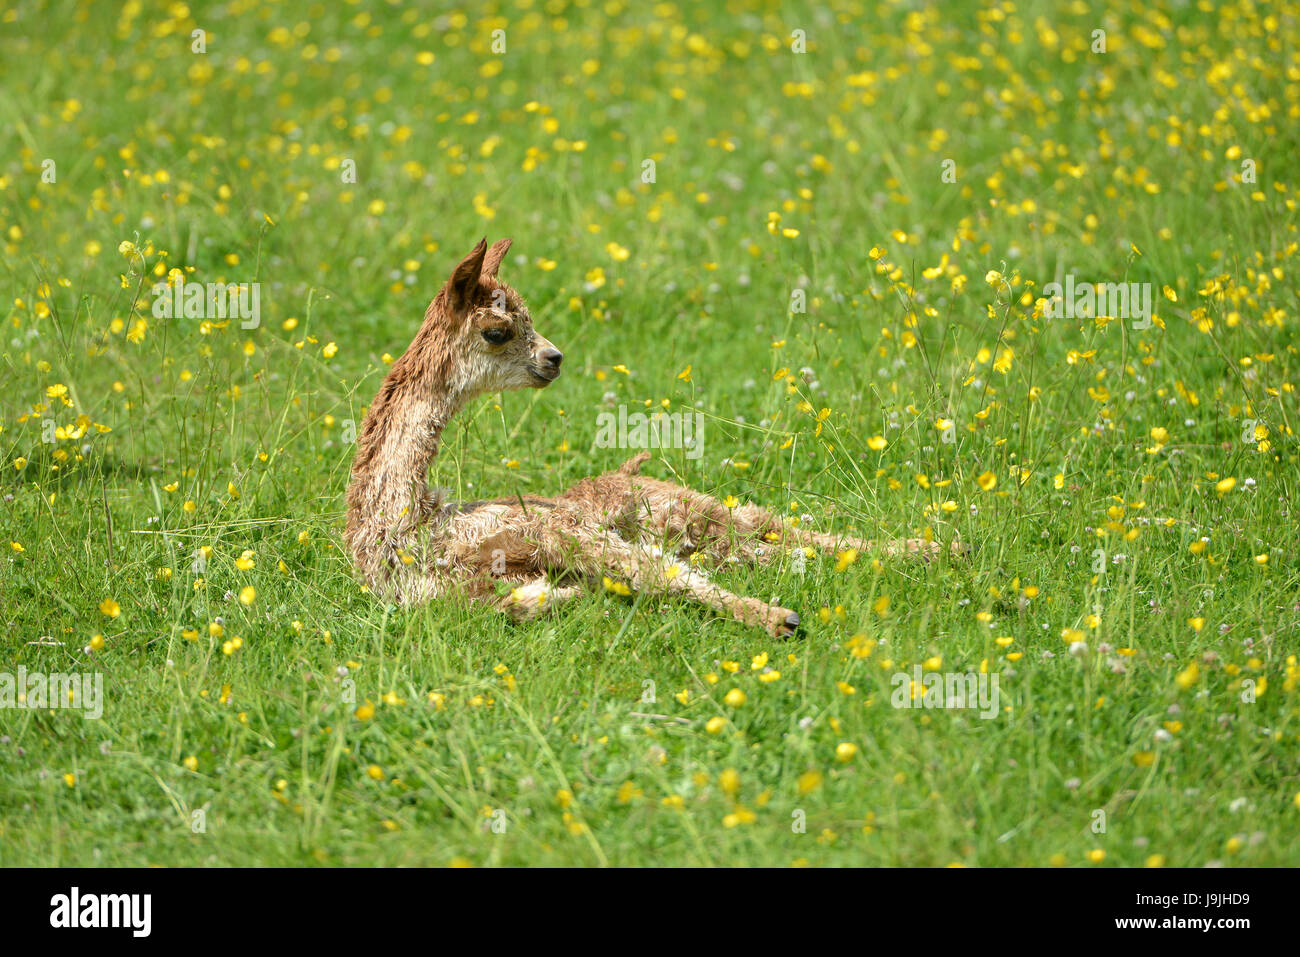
x=589 y=550
x=911 y=547
x=777 y=621
x=695 y=521
x=748 y=532
x=567 y=537
x=535 y=598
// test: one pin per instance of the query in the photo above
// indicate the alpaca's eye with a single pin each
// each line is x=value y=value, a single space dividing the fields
x=497 y=336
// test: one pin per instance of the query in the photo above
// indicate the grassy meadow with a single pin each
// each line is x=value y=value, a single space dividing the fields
x=829 y=230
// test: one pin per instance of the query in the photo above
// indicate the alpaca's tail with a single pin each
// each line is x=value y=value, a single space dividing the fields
x=633 y=465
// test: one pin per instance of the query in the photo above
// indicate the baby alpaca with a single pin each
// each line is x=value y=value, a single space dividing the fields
x=411 y=545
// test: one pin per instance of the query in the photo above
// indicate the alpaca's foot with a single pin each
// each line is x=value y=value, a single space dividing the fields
x=787 y=627
x=778 y=622
x=535 y=598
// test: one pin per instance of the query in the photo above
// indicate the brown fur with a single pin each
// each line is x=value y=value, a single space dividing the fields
x=411 y=546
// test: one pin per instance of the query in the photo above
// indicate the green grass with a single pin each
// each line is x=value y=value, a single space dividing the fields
x=493 y=743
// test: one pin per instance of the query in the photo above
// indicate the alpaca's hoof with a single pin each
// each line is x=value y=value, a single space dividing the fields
x=789 y=628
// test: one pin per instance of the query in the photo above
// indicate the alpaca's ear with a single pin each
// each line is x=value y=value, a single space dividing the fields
x=464 y=278
x=492 y=262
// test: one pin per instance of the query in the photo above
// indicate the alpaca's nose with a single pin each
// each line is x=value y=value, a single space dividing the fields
x=552 y=357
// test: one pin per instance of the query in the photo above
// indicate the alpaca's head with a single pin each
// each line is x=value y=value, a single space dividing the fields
x=489 y=335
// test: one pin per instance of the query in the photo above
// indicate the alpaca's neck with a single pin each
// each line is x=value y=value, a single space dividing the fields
x=389 y=495
x=398 y=442
x=405 y=439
